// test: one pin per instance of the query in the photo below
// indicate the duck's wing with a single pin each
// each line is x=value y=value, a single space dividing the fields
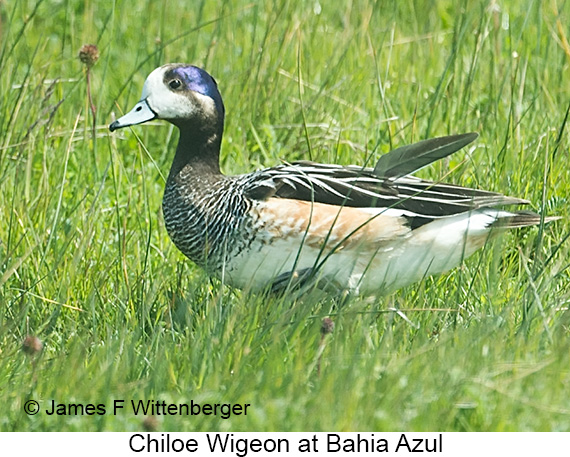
x=381 y=187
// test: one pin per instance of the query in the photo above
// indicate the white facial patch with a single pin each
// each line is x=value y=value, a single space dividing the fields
x=168 y=104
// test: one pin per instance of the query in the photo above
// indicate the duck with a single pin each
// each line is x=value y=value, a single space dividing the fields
x=349 y=228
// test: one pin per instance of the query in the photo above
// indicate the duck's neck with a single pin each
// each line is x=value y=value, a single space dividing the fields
x=199 y=148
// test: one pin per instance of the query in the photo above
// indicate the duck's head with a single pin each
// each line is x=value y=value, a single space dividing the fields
x=179 y=93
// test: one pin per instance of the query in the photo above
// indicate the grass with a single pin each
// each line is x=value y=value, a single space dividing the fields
x=87 y=266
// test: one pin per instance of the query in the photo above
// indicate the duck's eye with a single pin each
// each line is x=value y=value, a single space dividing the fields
x=174 y=84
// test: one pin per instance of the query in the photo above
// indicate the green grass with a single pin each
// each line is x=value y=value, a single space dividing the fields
x=86 y=264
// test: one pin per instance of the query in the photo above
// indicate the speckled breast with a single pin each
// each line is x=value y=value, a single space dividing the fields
x=208 y=221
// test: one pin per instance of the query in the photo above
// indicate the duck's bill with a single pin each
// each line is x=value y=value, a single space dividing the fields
x=139 y=114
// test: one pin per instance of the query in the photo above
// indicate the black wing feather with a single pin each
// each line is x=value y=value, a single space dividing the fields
x=410 y=158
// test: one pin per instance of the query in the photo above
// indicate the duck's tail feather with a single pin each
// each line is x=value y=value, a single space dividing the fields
x=521 y=219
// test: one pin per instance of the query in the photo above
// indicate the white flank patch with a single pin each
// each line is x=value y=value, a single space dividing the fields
x=373 y=267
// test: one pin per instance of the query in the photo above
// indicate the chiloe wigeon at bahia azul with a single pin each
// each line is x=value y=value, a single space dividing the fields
x=365 y=230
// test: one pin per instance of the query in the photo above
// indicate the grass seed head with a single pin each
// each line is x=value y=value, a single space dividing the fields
x=327 y=326
x=32 y=345
x=88 y=54
x=150 y=424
